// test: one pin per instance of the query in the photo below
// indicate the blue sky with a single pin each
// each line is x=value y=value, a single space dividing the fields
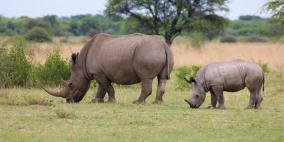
x=38 y=8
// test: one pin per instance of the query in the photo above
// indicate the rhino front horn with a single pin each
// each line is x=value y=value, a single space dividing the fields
x=55 y=94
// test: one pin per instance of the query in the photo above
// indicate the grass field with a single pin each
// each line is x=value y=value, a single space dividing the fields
x=32 y=115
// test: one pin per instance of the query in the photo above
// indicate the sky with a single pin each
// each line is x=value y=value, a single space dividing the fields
x=39 y=8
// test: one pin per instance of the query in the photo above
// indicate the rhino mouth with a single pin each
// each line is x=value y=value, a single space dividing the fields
x=190 y=104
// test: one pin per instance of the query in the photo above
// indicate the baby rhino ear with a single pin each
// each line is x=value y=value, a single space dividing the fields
x=191 y=80
x=74 y=57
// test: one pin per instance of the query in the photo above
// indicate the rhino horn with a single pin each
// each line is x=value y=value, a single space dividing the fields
x=56 y=94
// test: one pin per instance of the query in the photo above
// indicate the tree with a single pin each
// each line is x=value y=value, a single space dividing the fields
x=170 y=17
x=276 y=8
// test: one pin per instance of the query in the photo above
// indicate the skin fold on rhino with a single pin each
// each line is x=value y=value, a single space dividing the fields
x=124 y=59
x=228 y=76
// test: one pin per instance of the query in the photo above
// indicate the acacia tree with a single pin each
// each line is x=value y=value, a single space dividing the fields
x=170 y=17
x=276 y=8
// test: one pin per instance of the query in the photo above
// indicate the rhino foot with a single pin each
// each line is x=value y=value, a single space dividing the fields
x=221 y=107
x=98 y=100
x=111 y=101
x=138 y=102
x=211 y=107
x=158 y=102
x=249 y=107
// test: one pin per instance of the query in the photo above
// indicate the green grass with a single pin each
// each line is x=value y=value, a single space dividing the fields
x=32 y=115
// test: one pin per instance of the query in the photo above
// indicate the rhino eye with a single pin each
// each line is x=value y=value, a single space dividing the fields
x=196 y=96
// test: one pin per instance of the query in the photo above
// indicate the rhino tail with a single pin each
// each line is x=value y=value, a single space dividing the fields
x=169 y=58
x=263 y=80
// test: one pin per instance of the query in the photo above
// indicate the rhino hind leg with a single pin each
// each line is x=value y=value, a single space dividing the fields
x=255 y=98
x=258 y=101
x=160 y=90
x=146 y=91
x=99 y=97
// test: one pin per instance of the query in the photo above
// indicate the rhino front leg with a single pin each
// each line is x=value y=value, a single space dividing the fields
x=160 y=91
x=218 y=91
x=99 y=97
x=213 y=100
x=111 y=94
x=146 y=91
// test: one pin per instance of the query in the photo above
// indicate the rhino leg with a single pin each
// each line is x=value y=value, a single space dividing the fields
x=111 y=94
x=146 y=91
x=255 y=98
x=160 y=91
x=258 y=102
x=218 y=91
x=99 y=98
x=213 y=100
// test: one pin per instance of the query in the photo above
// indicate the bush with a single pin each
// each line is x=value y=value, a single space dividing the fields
x=38 y=34
x=185 y=72
x=228 y=39
x=264 y=67
x=255 y=38
x=14 y=65
x=53 y=70
x=20 y=67
x=5 y=66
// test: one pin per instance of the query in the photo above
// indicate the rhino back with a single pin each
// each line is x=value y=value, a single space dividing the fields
x=127 y=59
x=231 y=75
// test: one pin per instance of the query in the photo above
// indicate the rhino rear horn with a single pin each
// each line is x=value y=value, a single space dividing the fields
x=191 y=80
x=64 y=83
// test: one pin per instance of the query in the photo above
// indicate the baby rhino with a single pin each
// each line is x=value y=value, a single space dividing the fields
x=228 y=76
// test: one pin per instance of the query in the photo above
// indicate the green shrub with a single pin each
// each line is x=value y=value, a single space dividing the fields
x=14 y=64
x=255 y=38
x=5 y=68
x=20 y=67
x=38 y=34
x=185 y=72
x=228 y=39
x=264 y=67
x=53 y=70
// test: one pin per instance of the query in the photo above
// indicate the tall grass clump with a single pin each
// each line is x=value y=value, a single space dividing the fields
x=14 y=65
x=64 y=113
x=185 y=72
x=52 y=71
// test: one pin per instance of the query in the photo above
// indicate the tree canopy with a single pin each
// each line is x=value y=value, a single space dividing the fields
x=170 y=18
x=276 y=8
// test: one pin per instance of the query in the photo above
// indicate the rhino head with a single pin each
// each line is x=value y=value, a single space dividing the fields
x=76 y=86
x=198 y=94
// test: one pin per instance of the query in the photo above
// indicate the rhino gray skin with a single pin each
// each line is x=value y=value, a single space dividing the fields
x=125 y=59
x=228 y=76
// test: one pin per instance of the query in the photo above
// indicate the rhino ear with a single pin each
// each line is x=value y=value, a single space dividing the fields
x=74 y=57
x=191 y=80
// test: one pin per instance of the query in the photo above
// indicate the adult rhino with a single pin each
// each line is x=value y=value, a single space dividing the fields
x=228 y=76
x=124 y=59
